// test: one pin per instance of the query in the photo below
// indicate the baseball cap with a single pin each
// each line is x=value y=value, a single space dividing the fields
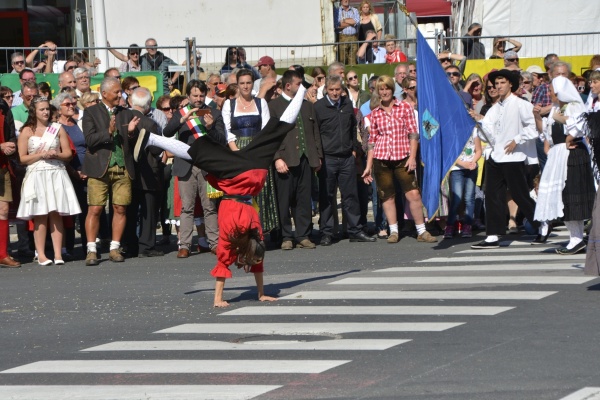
x=265 y=60
x=535 y=69
x=221 y=89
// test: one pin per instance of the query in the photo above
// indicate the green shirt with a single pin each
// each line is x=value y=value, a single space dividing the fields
x=116 y=156
x=20 y=113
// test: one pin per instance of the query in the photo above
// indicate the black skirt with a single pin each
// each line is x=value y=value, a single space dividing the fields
x=579 y=192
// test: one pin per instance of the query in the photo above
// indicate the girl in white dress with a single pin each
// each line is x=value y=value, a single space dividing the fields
x=47 y=192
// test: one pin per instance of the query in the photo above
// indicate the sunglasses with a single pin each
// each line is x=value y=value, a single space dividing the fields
x=19 y=62
x=526 y=82
x=445 y=60
x=320 y=78
x=351 y=78
x=165 y=109
x=8 y=96
x=412 y=70
x=490 y=87
x=411 y=87
x=69 y=104
x=453 y=74
x=512 y=59
x=581 y=88
x=133 y=87
x=135 y=53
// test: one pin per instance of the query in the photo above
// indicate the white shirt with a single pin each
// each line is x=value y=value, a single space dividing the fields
x=508 y=120
x=379 y=56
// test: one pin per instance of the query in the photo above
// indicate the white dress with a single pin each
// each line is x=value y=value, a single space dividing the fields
x=46 y=186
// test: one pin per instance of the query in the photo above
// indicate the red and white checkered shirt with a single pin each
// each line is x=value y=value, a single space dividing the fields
x=389 y=132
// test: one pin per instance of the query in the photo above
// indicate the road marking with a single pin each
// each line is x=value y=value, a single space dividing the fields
x=317 y=329
x=486 y=267
x=369 y=310
x=466 y=280
x=513 y=249
x=588 y=393
x=208 y=345
x=177 y=367
x=414 y=295
x=134 y=392
x=496 y=258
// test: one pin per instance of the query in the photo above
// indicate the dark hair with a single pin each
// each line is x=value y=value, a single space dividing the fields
x=161 y=100
x=106 y=73
x=4 y=90
x=133 y=48
x=176 y=101
x=232 y=90
x=196 y=83
x=244 y=72
x=372 y=79
x=228 y=55
x=44 y=87
x=24 y=72
x=317 y=71
x=246 y=242
x=128 y=81
x=299 y=69
x=288 y=77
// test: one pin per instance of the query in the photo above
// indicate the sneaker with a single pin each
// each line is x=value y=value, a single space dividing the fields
x=466 y=231
x=426 y=238
x=393 y=238
x=287 y=245
x=448 y=232
x=306 y=244
x=486 y=245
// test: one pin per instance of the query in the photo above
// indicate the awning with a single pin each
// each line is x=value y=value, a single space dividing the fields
x=429 y=8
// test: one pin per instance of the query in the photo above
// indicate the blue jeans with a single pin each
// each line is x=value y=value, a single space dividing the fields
x=462 y=181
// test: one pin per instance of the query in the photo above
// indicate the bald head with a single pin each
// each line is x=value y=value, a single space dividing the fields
x=66 y=79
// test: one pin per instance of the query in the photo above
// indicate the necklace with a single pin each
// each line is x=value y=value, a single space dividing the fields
x=247 y=106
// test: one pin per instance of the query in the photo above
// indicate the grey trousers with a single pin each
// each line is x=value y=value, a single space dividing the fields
x=190 y=185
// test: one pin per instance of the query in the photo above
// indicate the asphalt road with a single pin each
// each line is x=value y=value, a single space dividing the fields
x=354 y=321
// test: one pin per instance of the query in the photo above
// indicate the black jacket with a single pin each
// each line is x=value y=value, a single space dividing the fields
x=337 y=127
x=149 y=168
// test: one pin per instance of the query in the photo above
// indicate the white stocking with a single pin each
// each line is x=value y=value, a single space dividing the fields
x=177 y=147
x=575 y=231
x=543 y=229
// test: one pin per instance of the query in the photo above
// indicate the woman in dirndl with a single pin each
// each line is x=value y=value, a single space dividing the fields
x=566 y=187
x=47 y=193
x=244 y=117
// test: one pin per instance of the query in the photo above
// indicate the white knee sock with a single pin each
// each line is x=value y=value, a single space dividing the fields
x=575 y=231
x=177 y=147
x=543 y=229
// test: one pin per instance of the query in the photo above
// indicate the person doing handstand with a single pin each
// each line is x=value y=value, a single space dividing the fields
x=240 y=175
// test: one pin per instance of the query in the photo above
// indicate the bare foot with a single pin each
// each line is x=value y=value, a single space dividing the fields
x=267 y=298
x=221 y=304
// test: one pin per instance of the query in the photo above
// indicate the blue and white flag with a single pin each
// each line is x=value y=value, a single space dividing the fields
x=444 y=122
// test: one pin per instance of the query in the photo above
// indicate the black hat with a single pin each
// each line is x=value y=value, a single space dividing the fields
x=513 y=77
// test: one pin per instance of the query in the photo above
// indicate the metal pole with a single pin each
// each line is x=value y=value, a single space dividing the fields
x=195 y=58
x=187 y=58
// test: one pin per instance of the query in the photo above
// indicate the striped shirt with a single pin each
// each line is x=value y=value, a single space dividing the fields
x=351 y=12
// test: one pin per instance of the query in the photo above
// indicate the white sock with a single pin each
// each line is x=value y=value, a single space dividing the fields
x=421 y=229
x=394 y=228
x=91 y=247
x=177 y=147
x=114 y=245
x=491 y=238
x=291 y=112
x=575 y=231
x=543 y=229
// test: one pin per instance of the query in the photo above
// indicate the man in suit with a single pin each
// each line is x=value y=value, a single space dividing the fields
x=299 y=155
x=110 y=133
x=191 y=181
x=337 y=127
x=147 y=185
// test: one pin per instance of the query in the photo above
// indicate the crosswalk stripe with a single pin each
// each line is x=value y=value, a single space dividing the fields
x=486 y=267
x=466 y=280
x=207 y=345
x=419 y=295
x=311 y=328
x=369 y=310
x=512 y=249
x=486 y=258
x=178 y=367
x=134 y=392
x=588 y=393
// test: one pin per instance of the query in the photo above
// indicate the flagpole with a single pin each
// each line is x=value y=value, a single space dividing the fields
x=403 y=8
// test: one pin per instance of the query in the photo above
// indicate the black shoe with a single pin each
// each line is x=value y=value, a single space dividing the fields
x=486 y=245
x=140 y=143
x=563 y=251
x=67 y=257
x=362 y=237
x=326 y=241
x=539 y=239
x=151 y=253
x=26 y=253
